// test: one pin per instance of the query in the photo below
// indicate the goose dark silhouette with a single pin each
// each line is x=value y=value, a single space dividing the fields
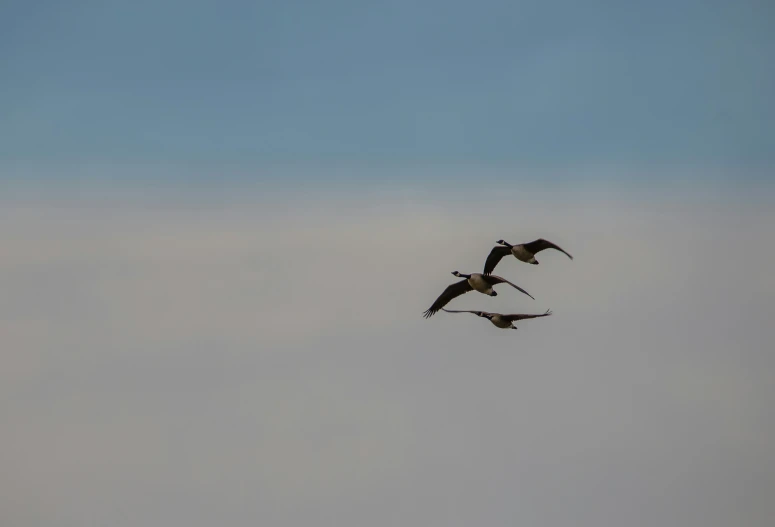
x=500 y=320
x=524 y=252
x=472 y=282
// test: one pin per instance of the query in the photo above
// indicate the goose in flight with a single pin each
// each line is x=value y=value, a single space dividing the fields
x=524 y=252
x=499 y=320
x=471 y=282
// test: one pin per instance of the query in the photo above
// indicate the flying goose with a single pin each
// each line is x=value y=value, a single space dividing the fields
x=524 y=252
x=499 y=320
x=472 y=282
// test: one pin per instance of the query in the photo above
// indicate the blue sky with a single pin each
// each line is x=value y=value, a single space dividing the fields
x=528 y=83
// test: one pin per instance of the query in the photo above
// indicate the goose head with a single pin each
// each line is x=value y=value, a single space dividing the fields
x=455 y=273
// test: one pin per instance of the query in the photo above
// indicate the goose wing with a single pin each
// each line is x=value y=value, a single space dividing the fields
x=512 y=318
x=479 y=313
x=494 y=257
x=452 y=291
x=541 y=244
x=492 y=279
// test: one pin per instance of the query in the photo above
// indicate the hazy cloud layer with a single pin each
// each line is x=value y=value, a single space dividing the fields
x=238 y=364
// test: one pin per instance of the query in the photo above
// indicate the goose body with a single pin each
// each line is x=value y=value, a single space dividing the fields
x=500 y=320
x=471 y=282
x=524 y=252
x=478 y=283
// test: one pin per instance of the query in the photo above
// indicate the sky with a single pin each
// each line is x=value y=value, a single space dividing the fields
x=221 y=224
x=172 y=364
x=246 y=82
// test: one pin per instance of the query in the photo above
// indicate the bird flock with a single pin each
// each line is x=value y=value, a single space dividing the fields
x=485 y=281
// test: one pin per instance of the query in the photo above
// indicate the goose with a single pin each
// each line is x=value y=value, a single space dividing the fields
x=471 y=282
x=524 y=252
x=499 y=320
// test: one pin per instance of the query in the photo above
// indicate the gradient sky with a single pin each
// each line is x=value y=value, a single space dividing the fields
x=221 y=222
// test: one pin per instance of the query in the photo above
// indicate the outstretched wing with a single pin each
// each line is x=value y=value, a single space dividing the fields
x=456 y=289
x=492 y=279
x=478 y=313
x=541 y=244
x=512 y=318
x=494 y=257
